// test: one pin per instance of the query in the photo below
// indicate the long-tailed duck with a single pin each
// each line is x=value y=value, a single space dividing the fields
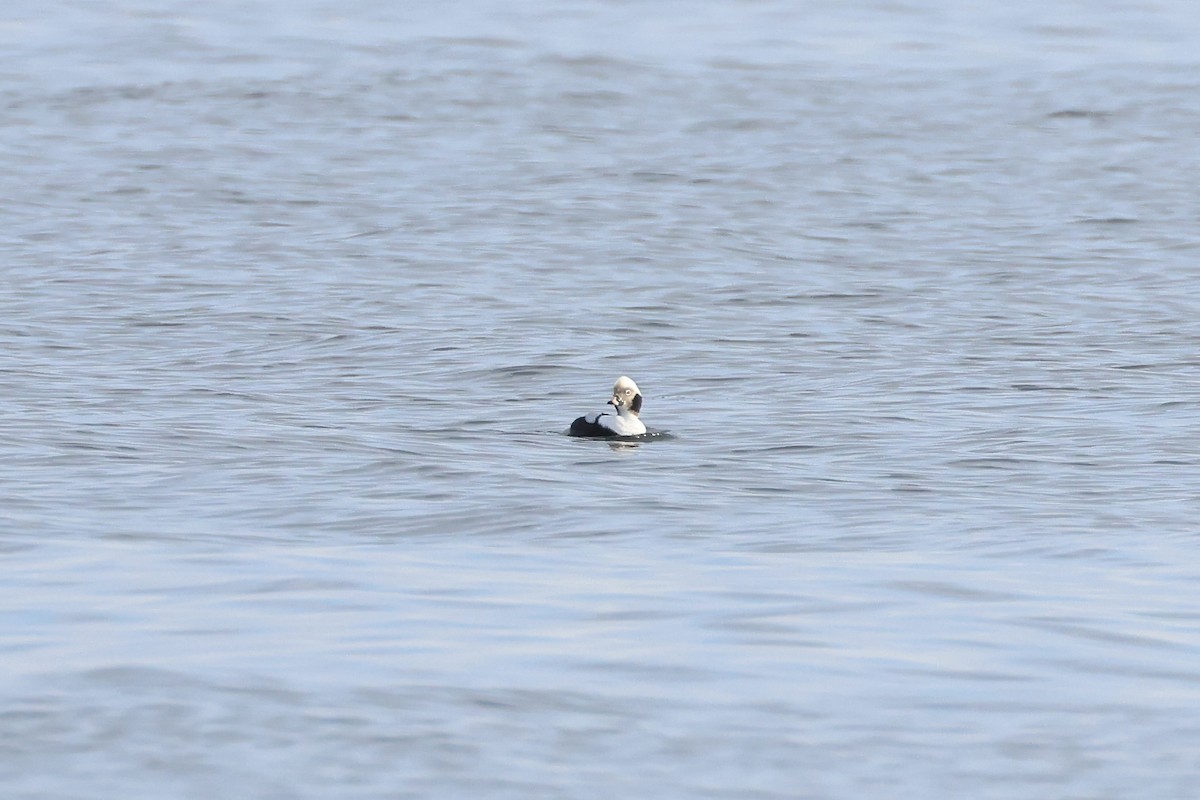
x=627 y=400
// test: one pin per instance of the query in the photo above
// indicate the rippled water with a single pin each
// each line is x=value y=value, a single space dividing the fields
x=301 y=298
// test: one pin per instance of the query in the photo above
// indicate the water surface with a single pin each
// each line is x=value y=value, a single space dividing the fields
x=300 y=300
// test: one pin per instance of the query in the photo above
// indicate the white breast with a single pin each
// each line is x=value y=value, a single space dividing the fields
x=622 y=424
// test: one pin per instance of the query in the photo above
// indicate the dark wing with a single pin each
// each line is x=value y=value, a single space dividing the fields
x=591 y=425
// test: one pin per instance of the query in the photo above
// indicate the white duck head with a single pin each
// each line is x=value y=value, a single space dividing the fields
x=626 y=398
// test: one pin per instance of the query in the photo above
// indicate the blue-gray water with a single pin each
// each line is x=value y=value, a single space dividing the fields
x=299 y=299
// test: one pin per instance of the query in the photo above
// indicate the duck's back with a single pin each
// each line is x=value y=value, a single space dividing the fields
x=602 y=424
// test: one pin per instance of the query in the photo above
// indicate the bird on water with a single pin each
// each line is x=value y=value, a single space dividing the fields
x=626 y=400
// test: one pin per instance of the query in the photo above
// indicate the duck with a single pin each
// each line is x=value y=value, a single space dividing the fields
x=627 y=401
